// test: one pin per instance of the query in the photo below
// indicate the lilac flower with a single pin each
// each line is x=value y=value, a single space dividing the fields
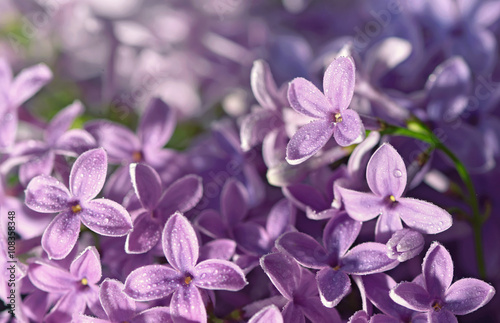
x=334 y=261
x=386 y=177
x=58 y=140
x=158 y=205
x=47 y=195
x=185 y=277
x=118 y=307
x=77 y=287
x=436 y=295
x=329 y=109
x=14 y=92
x=297 y=286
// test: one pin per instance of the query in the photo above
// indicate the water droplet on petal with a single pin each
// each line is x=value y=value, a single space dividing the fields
x=397 y=173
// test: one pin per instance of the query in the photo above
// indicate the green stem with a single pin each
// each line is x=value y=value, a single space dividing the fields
x=423 y=133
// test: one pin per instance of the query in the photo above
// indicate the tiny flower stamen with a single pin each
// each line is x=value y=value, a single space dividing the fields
x=338 y=117
x=336 y=268
x=188 y=280
x=392 y=198
x=437 y=307
x=136 y=156
x=84 y=281
x=76 y=208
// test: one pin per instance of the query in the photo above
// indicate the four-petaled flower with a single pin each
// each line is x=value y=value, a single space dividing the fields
x=46 y=194
x=329 y=109
x=181 y=248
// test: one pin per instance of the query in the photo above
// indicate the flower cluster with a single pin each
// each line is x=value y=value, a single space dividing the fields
x=249 y=161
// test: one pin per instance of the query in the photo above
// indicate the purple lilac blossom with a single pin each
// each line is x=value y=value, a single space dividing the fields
x=78 y=204
x=183 y=277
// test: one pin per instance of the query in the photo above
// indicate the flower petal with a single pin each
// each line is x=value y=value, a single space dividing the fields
x=340 y=233
x=154 y=314
x=423 y=216
x=442 y=316
x=218 y=249
x=306 y=98
x=280 y=218
x=152 y=282
x=256 y=125
x=210 y=223
x=308 y=140
x=293 y=313
x=180 y=243
x=219 y=274
x=269 y=314
x=50 y=279
x=87 y=265
x=28 y=82
x=181 y=196
x=61 y=235
x=106 y=217
x=349 y=129
x=412 y=296
x=157 y=124
x=387 y=223
x=39 y=164
x=147 y=185
x=316 y=312
x=338 y=83
x=367 y=258
x=252 y=238
x=88 y=174
x=62 y=121
x=386 y=172
x=74 y=142
x=304 y=249
x=437 y=270
x=283 y=271
x=8 y=126
x=234 y=202
x=117 y=305
x=46 y=194
x=467 y=295
x=263 y=86
x=144 y=236
x=333 y=286
x=187 y=305
x=361 y=206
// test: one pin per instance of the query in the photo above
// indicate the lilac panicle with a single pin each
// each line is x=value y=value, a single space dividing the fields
x=333 y=260
x=183 y=277
x=436 y=295
x=158 y=205
x=330 y=111
x=77 y=287
x=386 y=177
x=46 y=194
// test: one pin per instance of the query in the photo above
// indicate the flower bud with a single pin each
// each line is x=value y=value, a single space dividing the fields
x=405 y=244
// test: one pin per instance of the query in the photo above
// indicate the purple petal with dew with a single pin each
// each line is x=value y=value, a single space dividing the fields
x=293 y=313
x=308 y=140
x=316 y=312
x=362 y=317
x=283 y=271
x=88 y=174
x=80 y=318
x=437 y=270
x=338 y=83
x=412 y=296
x=405 y=244
x=61 y=235
x=40 y=164
x=106 y=217
x=147 y=185
x=152 y=282
x=117 y=305
x=340 y=233
x=358 y=159
x=28 y=82
x=181 y=196
x=361 y=206
x=387 y=223
x=180 y=243
x=305 y=98
x=386 y=172
x=423 y=216
x=442 y=316
x=219 y=274
x=333 y=286
x=367 y=258
x=304 y=249
x=187 y=305
x=263 y=86
x=467 y=295
x=50 y=279
x=218 y=249
x=234 y=202
x=8 y=126
x=87 y=265
x=269 y=314
x=348 y=130
x=62 y=121
x=157 y=124
x=46 y=194
x=154 y=314
x=145 y=234
x=69 y=304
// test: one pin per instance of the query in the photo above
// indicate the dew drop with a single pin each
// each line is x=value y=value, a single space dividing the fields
x=397 y=173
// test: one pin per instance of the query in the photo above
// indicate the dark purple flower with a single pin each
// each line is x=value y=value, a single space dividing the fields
x=330 y=111
x=333 y=260
x=185 y=277
x=435 y=295
x=46 y=194
x=386 y=177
